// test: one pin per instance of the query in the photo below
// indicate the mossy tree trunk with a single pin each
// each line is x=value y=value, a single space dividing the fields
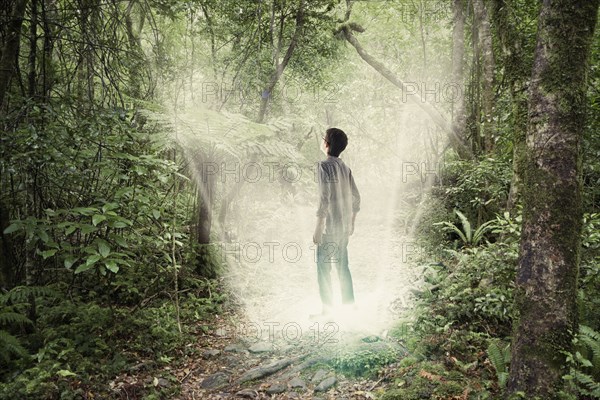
x=458 y=63
x=552 y=217
x=486 y=75
x=517 y=65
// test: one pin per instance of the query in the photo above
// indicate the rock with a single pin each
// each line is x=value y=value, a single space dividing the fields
x=211 y=353
x=285 y=348
x=261 y=347
x=221 y=332
x=247 y=394
x=293 y=395
x=276 y=388
x=326 y=384
x=162 y=382
x=216 y=380
x=261 y=371
x=305 y=364
x=237 y=347
x=319 y=376
x=141 y=366
x=297 y=383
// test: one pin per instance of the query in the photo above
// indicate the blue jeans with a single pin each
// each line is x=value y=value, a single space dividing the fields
x=334 y=250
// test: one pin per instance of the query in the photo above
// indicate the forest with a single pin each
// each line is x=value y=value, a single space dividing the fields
x=159 y=179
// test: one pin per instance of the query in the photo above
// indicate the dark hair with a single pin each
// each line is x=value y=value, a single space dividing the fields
x=337 y=140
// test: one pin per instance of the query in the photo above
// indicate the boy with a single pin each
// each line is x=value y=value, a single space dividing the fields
x=339 y=201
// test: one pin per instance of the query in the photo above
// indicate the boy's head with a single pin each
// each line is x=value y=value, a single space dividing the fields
x=336 y=141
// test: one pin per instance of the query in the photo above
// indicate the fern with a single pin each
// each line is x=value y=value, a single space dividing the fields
x=9 y=345
x=9 y=318
x=21 y=294
x=585 y=362
x=499 y=357
x=586 y=384
x=467 y=235
x=591 y=339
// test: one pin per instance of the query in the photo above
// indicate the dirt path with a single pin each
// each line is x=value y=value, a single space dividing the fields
x=317 y=365
x=273 y=349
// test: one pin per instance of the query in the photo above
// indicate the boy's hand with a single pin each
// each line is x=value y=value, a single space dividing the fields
x=318 y=235
x=352 y=224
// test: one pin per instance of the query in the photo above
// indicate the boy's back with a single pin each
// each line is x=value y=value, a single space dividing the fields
x=338 y=196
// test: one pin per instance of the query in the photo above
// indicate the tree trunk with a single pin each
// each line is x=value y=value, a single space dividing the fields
x=546 y=285
x=48 y=18
x=280 y=67
x=487 y=73
x=458 y=54
x=11 y=48
x=8 y=60
x=204 y=215
x=517 y=66
x=205 y=188
x=31 y=78
x=135 y=47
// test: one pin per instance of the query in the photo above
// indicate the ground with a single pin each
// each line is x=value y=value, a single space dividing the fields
x=269 y=347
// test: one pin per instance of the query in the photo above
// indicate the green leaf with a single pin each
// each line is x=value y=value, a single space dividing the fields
x=156 y=214
x=85 y=229
x=82 y=268
x=96 y=219
x=120 y=240
x=69 y=261
x=109 y=207
x=93 y=259
x=44 y=236
x=103 y=248
x=84 y=210
x=65 y=372
x=112 y=266
x=70 y=229
x=118 y=224
x=48 y=253
x=12 y=228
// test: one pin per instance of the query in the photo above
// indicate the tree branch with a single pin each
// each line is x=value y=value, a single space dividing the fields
x=433 y=113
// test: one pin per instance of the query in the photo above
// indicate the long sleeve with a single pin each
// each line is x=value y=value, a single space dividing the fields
x=324 y=191
x=355 y=195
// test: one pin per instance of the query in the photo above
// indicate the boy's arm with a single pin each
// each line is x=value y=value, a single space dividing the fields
x=318 y=235
x=355 y=202
x=324 y=194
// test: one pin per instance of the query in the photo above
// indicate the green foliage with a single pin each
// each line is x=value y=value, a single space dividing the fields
x=476 y=291
x=427 y=380
x=427 y=233
x=468 y=235
x=479 y=188
x=499 y=356
x=584 y=363
x=86 y=344
x=589 y=272
x=14 y=305
x=10 y=345
x=365 y=360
